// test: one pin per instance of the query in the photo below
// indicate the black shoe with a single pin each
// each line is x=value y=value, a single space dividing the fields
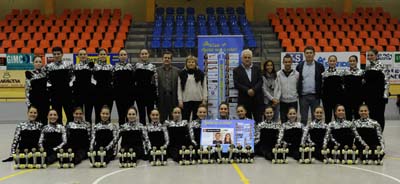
x=9 y=159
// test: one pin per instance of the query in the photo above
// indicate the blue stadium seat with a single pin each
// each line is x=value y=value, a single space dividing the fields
x=240 y=10
x=170 y=11
x=251 y=43
x=220 y=10
x=160 y=11
x=189 y=11
x=178 y=44
x=166 y=44
x=190 y=44
x=230 y=10
x=180 y=10
x=210 y=11
x=155 y=44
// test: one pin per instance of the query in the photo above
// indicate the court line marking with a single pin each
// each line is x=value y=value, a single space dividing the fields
x=16 y=174
x=391 y=157
x=98 y=180
x=374 y=172
x=240 y=173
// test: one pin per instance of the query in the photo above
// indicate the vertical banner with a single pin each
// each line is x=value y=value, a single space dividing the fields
x=19 y=61
x=227 y=132
x=218 y=55
x=322 y=57
x=3 y=62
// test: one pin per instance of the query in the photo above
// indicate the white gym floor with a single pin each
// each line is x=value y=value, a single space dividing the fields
x=261 y=171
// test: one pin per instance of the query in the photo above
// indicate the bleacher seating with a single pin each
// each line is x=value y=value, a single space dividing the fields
x=359 y=31
x=25 y=31
x=174 y=29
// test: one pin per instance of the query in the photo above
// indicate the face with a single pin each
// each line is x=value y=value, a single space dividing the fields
x=155 y=116
x=102 y=55
x=371 y=56
x=78 y=115
x=52 y=116
x=241 y=112
x=123 y=56
x=131 y=115
x=217 y=136
x=309 y=54
x=332 y=62
x=82 y=55
x=269 y=114
x=292 y=115
x=353 y=62
x=144 y=55
x=176 y=114
x=57 y=55
x=167 y=58
x=202 y=113
x=269 y=67
x=105 y=114
x=319 y=113
x=228 y=136
x=340 y=112
x=37 y=63
x=223 y=110
x=287 y=63
x=191 y=64
x=32 y=114
x=363 y=112
x=246 y=59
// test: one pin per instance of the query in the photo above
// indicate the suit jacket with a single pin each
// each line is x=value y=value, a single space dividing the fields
x=243 y=84
x=319 y=69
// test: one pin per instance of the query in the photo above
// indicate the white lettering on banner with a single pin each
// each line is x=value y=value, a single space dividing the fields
x=391 y=60
x=322 y=57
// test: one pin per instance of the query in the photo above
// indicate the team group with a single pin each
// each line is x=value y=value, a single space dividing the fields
x=170 y=97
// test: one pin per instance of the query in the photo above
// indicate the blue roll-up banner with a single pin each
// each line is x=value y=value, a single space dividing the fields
x=218 y=55
x=227 y=132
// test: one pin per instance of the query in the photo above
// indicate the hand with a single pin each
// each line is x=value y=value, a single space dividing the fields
x=28 y=74
x=181 y=105
x=275 y=102
x=204 y=102
x=55 y=149
x=250 y=92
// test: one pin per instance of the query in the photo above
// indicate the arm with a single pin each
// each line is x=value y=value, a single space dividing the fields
x=305 y=136
x=16 y=139
x=358 y=137
x=41 y=139
x=259 y=83
x=264 y=89
x=257 y=135
x=114 y=141
x=205 y=93
x=278 y=88
x=236 y=80
x=281 y=135
x=180 y=91
x=93 y=137
x=166 y=136
x=146 y=140
x=191 y=133
x=27 y=91
x=64 y=138
x=379 y=134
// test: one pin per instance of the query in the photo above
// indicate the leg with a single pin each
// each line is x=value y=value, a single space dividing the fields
x=314 y=103
x=284 y=107
x=67 y=105
x=142 y=110
x=186 y=110
x=304 y=104
x=121 y=110
x=89 y=109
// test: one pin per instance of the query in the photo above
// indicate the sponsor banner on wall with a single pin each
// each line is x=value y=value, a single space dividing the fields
x=322 y=57
x=111 y=58
x=391 y=60
x=19 y=61
x=3 y=62
x=12 y=78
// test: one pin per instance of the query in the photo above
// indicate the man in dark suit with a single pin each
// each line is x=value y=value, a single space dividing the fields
x=248 y=80
x=310 y=83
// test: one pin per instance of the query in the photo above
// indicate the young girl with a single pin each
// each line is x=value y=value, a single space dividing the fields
x=195 y=125
x=102 y=74
x=332 y=89
x=353 y=81
x=26 y=134
x=376 y=87
x=146 y=85
x=105 y=134
x=134 y=135
x=178 y=132
x=223 y=111
x=228 y=138
x=36 y=89
x=83 y=88
x=241 y=112
x=78 y=135
x=268 y=134
x=315 y=132
x=293 y=131
x=158 y=133
x=341 y=132
x=369 y=130
x=53 y=137
x=192 y=88
x=124 y=85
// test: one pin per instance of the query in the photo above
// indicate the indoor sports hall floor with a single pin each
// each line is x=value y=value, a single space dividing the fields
x=261 y=171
